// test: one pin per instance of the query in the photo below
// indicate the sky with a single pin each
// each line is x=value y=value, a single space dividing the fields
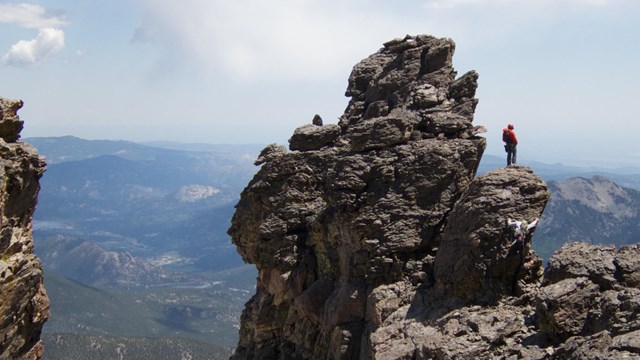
x=564 y=72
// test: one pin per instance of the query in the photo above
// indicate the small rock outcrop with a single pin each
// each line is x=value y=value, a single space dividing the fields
x=24 y=305
x=374 y=239
x=10 y=123
x=475 y=260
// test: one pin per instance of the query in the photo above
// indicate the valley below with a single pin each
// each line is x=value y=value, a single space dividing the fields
x=136 y=255
x=134 y=246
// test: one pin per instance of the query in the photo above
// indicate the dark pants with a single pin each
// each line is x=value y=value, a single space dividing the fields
x=511 y=154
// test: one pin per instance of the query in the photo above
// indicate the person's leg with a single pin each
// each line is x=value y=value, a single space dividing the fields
x=513 y=154
x=509 y=154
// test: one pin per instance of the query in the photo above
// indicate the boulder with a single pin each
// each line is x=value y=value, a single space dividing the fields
x=313 y=137
x=478 y=259
x=628 y=266
x=563 y=307
x=10 y=123
x=583 y=260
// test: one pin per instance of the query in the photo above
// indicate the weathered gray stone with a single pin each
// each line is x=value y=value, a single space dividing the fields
x=627 y=342
x=628 y=266
x=465 y=86
x=380 y=132
x=311 y=302
x=356 y=212
x=562 y=307
x=583 y=260
x=380 y=243
x=599 y=346
x=10 y=123
x=617 y=311
x=313 y=137
x=477 y=259
x=270 y=152
x=377 y=109
x=386 y=299
x=424 y=96
x=24 y=306
x=446 y=123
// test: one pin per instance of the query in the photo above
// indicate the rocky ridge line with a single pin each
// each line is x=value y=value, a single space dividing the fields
x=24 y=305
x=374 y=239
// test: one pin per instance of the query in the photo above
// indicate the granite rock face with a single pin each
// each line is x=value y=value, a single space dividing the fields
x=373 y=238
x=24 y=305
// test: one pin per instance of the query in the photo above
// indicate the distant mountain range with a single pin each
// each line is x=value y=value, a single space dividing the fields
x=71 y=148
x=133 y=241
x=133 y=236
x=594 y=205
x=89 y=263
x=627 y=176
x=165 y=206
x=595 y=210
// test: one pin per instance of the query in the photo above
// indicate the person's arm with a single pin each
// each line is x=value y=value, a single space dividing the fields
x=513 y=223
x=533 y=224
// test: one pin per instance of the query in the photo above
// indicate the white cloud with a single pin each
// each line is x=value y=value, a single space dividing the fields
x=49 y=40
x=30 y=52
x=437 y=4
x=456 y=3
x=314 y=40
x=30 y=16
x=257 y=39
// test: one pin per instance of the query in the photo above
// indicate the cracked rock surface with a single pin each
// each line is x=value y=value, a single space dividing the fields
x=373 y=238
x=24 y=305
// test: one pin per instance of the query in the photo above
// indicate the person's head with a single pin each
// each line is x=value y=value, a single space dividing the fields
x=510 y=126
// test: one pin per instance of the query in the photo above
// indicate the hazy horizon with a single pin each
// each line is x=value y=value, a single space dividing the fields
x=525 y=160
x=563 y=71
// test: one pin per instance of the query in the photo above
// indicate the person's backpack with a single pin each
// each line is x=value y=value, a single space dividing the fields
x=506 y=136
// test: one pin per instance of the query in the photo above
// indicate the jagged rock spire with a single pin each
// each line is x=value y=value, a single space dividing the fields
x=374 y=240
x=357 y=205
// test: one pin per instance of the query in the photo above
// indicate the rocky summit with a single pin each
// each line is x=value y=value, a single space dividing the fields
x=24 y=305
x=374 y=239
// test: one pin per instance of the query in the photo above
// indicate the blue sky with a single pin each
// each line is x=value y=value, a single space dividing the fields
x=565 y=72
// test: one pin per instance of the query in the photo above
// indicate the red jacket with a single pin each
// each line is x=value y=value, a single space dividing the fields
x=509 y=136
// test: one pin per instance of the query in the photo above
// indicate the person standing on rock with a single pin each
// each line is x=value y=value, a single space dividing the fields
x=511 y=142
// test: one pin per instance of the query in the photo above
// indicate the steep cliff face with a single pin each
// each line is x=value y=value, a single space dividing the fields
x=358 y=205
x=24 y=306
x=374 y=239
